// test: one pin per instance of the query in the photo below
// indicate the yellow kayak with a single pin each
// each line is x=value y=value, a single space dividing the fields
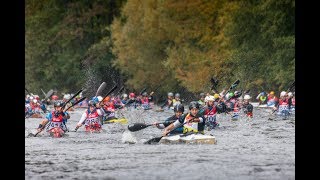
x=121 y=120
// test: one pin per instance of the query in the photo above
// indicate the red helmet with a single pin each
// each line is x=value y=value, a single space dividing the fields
x=54 y=97
x=131 y=95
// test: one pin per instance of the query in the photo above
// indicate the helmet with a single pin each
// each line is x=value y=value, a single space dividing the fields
x=206 y=99
x=283 y=93
x=271 y=92
x=67 y=96
x=194 y=104
x=100 y=98
x=216 y=96
x=178 y=107
x=170 y=94
x=34 y=101
x=177 y=95
x=290 y=94
x=231 y=94
x=210 y=98
x=106 y=99
x=263 y=93
x=247 y=97
x=58 y=104
x=125 y=95
x=237 y=93
x=144 y=94
x=95 y=99
x=54 y=97
x=202 y=94
x=131 y=95
x=36 y=97
x=91 y=103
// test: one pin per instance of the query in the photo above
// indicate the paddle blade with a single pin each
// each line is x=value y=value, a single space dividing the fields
x=153 y=140
x=102 y=86
x=49 y=94
x=137 y=126
x=235 y=84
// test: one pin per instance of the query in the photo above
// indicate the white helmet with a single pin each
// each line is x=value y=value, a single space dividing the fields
x=247 y=97
x=210 y=98
x=100 y=98
x=283 y=93
x=125 y=95
x=34 y=101
x=290 y=94
x=67 y=96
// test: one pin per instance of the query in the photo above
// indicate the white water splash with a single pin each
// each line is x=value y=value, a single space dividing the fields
x=127 y=137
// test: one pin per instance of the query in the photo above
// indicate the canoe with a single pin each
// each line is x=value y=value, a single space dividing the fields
x=121 y=121
x=188 y=139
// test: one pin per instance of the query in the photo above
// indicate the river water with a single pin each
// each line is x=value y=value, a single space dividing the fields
x=246 y=149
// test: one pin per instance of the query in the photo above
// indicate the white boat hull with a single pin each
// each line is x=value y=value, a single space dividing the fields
x=189 y=139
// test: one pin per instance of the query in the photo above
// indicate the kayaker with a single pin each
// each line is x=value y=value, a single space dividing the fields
x=91 y=118
x=282 y=107
x=178 y=111
x=292 y=102
x=272 y=99
x=56 y=118
x=262 y=98
x=176 y=100
x=210 y=112
x=169 y=102
x=109 y=109
x=201 y=101
x=192 y=122
x=246 y=106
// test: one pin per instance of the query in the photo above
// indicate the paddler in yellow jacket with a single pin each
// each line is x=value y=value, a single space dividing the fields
x=192 y=121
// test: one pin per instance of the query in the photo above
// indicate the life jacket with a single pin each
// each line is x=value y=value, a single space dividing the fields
x=262 y=98
x=283 y=105
x=92 y=118
x=56 y=121
x=191 y=127
x=211 y=113
x=272 y=100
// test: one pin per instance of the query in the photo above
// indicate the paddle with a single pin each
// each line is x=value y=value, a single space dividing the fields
x=111 y=90
x=120 y=90
x=43 y=92
x=291 y=86
x=49 y=94
x=101 y=88
x=143 y=90
x=214 y=83
x=138 y=126
x=27 y=91
x=76 y=103
x=157 y=139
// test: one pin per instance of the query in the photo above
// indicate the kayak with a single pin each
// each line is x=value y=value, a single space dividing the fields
x=256 y=105
x=121 y=121
x=188 y=139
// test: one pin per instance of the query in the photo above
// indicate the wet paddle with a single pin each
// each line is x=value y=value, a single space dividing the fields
x=101 y=88
x=137 y=126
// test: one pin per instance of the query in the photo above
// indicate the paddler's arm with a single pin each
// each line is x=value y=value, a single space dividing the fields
x=83 y=117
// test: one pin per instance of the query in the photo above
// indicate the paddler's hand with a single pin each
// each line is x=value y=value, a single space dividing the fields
x=78 y=125
x=165 y=132
x=155 y=124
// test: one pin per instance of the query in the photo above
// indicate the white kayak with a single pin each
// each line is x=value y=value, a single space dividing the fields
x=256 y=105
x=188 y=139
